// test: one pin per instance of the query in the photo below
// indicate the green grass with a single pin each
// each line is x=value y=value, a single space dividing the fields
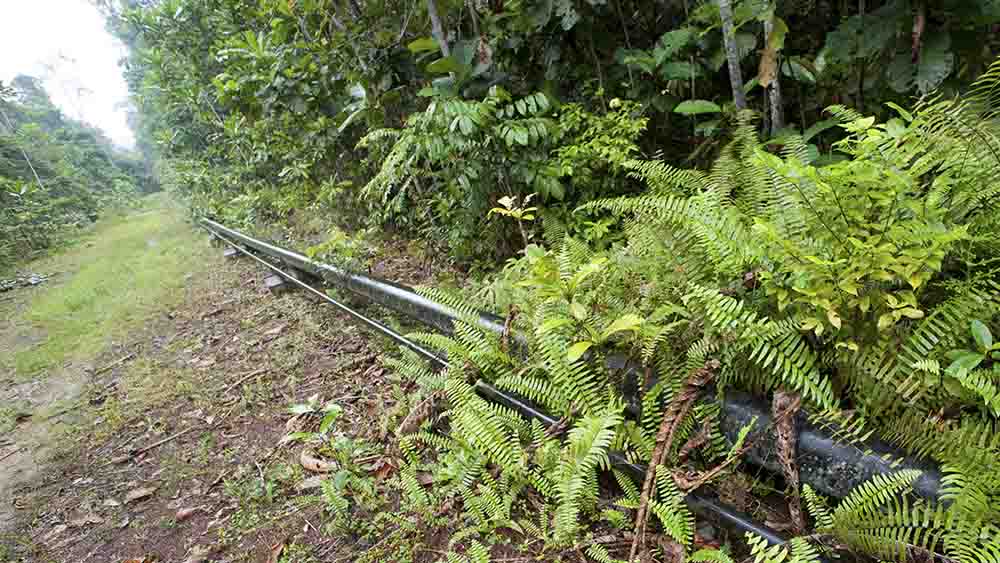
x=128 y=269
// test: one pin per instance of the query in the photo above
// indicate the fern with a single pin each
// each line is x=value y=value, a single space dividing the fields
x=586 y=452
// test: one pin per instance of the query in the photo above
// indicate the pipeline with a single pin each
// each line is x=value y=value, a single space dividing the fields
x=830 y=467
x=704 y=505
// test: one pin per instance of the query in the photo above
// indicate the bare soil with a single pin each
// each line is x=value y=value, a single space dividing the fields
x=169 y=448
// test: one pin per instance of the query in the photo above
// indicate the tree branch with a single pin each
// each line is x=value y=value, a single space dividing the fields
x=437 y=29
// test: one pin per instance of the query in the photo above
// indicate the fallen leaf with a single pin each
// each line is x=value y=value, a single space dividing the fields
x=198 y=554
x=276 y=550
x=89 y=518
x=275 y=330
x=111 y=502
x=382 y=468
x=121 y=459
x=55 y=532
x=139 y=494
x=425 y=478
x=314 y=482
x=314 y=464
x=185 y=513
x=124 y=523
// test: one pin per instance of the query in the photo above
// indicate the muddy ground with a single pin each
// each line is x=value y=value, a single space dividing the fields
x=168 y=445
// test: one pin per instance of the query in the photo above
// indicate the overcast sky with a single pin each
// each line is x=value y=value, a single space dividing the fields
x=68 y=36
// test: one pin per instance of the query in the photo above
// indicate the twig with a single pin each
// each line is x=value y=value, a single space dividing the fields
x=114 y=364
x=10 y=453
x=141 y=451
x=219 y=478
x=244 y=378
x=64 y=411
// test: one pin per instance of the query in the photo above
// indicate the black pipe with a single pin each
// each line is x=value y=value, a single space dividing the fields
x=372 y=323
x=399 y=298
x=705 y=506
x=829 y=466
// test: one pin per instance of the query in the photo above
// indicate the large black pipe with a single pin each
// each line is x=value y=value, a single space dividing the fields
x=831 y=467
x=399 y=298
x=705 y=506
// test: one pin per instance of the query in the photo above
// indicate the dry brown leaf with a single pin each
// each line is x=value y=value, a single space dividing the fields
x=382 y=468
x=55 y=532
x=139 y=494
x=276 y=550
x=314 y=482
x=198 y=554
x=275 y=330
x=314 y=464
x=767 y=72
x=89 y=518
x=185 y=513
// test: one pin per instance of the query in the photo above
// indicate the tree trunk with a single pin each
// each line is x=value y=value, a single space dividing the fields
x=774 y=90
x=732 y=54
x=437 y=29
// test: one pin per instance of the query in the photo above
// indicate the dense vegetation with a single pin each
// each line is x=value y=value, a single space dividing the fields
x=743 y=195
x=56 y=173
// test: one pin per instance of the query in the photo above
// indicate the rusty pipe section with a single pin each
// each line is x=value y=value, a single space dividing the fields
x=828 y=465
x=399 y=298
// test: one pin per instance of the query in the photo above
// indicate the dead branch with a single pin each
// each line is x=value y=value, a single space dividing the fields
x=676 y=411
x=783 y=409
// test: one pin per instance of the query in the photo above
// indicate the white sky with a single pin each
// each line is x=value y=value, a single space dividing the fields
x=69 y=37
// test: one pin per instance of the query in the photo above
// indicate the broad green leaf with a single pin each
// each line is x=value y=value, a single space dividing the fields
x=902 y=112
x=776 y=40
x=553 y=324
x=331 y=416
x=965 y=362
x=423 y=45
x=680 y=70
x=834 y=319
x=301 y=408
x=577 y=350
x=981 y=334
x=797 y=69
x=695 y=107
x=578 y=311
x=671 y=43
x=885 y=321
x=444 y=65
x=623 y=323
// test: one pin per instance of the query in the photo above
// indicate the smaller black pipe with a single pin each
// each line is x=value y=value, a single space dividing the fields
x=372 y=323
x=705 y=506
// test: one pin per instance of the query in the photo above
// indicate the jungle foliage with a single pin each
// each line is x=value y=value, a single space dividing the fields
x=812 y=231
x=56 y=173
x=421 y=115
